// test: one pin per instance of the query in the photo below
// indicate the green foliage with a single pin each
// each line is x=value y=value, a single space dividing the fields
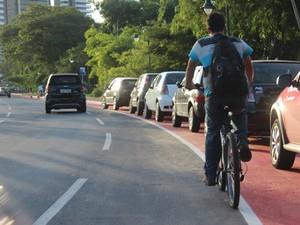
x=38 y=38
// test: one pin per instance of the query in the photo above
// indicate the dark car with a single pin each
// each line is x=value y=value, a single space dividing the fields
x=137 y=96
x=265 y=90
x=188 y=105
x=65 y=91
x=285 y=123
x=118 y=92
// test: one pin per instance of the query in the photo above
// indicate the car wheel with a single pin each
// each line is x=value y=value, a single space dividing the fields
x=47 y=109
x=116 y=104
x=159 y=115
x=132 y=109
x=281 y=158
x=140 y=108
x=176 y=120
x=104 y=105
x=194 y=120
x=147 y=112
x=82 y=109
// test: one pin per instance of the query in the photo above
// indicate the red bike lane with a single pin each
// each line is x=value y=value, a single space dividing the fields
x=272 y=194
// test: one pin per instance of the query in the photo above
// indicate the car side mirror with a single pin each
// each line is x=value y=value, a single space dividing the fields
x=179 y=85
x=284 y=80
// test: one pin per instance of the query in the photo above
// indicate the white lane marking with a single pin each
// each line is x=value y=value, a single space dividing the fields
x=2 y=121
x=8 y=114
x=107 y=143
x=60 y=203
x=88 y=113
x=100 y=121
x=244 y=208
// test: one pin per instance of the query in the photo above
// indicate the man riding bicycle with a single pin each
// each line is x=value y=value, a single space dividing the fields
x=203 y=53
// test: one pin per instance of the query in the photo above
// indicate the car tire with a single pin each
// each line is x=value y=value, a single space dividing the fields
x=139 y=108
x=104 y=106
x=132 y=109
x=47 y=109
x=176 y=120
x=159 y=115
x=82 y=109
x=194 y=121
x=147 y=112
x=281 y=158
x=116 y=104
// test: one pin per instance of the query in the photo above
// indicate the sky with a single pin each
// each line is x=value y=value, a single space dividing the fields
x=96 y=15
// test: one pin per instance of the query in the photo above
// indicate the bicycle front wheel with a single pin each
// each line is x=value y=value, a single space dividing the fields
x=233 y=171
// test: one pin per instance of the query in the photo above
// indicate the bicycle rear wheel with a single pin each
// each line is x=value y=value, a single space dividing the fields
x=233 y=171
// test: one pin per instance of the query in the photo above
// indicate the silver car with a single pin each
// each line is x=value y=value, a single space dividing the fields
x=158 y=98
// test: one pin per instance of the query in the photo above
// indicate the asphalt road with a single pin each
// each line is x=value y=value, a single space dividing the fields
x=98 y=168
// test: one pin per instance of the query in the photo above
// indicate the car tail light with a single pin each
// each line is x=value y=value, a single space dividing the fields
x=164 y=90
x=82 y=89
x=199 y=98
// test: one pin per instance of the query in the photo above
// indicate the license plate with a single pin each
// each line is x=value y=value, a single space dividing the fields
x=65 y=91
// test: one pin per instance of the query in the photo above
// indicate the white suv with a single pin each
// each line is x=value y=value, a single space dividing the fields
x=158 y=98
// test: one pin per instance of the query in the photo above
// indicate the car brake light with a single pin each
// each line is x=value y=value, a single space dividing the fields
x=81 y=88
x=164 y=90
x=199 y=98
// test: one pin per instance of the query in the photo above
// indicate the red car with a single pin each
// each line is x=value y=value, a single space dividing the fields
x=285 y=123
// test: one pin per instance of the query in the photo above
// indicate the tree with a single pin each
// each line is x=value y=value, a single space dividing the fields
x=39 y=37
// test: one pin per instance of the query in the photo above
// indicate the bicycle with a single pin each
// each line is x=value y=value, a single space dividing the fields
x=230 y=172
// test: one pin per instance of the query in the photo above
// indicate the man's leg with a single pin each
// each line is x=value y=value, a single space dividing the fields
x=240 y=119
x=213 y=150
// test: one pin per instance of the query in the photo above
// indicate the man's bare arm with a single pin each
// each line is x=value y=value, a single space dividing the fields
x=190 y=69
x=249 y=69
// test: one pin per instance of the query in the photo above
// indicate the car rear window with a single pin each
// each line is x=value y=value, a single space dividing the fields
x=268 y=72
x=150 y=78
x=172 y=78
x=61 y=80
x=128 y=83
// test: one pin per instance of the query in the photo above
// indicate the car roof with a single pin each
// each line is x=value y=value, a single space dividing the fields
x=275 y=61
x=64 y=74
x=126 y=78
x=166 y=72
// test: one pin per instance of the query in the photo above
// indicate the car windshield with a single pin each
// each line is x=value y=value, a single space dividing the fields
x=268 y=72
x=128 y=83
x=172 y=78
x=67 y=79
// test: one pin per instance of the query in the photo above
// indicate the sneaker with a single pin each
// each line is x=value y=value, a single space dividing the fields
x=208 y=181
x=245 y=152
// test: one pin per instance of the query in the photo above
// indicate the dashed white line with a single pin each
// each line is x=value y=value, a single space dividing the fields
x=88 y=113
x=60 y=203
x=8 y=114
x=1 y=121
x=100 y=121
x=107 y=143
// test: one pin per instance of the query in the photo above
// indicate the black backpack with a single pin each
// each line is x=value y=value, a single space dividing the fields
x=228 y=70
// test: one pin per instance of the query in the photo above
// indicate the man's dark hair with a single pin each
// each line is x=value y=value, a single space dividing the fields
x=216 y=22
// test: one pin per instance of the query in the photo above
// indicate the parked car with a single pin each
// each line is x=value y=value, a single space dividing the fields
x=158 y=98
x=4 y=91
x=64 y=91
x=137 y=96
x=285 y=123
x=265 y=90
x=118 y=92
x=189 y=104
